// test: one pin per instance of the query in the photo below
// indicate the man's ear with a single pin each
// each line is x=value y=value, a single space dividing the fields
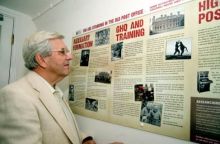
x=40 y=60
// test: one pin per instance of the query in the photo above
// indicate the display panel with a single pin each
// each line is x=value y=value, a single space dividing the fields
x=146 y=72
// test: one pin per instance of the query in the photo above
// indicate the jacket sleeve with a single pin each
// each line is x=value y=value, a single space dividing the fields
x=19 y=121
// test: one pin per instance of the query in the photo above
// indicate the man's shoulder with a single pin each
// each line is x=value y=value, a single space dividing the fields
x=19 y=86
x=22 y=82
x=17 y=83
x=19 y=90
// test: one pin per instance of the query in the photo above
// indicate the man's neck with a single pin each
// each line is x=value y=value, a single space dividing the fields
x=50 y=78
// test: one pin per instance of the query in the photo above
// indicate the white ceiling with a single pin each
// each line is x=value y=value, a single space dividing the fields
x=33 y=8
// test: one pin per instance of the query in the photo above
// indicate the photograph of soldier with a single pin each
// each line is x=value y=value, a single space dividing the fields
x=102 y=37
x=84 y=61
x=91 y=104
x=116 y=50
x=178 y=49
x=103 y=77
x=151 y=113
x=71 y=92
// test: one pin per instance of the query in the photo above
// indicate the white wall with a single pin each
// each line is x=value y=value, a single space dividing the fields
x=23 y=26
x=105 y=133
x=70 y=16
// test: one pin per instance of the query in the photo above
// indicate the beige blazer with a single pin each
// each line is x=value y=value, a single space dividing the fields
x=29 y=114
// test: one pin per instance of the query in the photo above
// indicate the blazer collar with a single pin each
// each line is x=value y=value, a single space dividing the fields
x=48 y=100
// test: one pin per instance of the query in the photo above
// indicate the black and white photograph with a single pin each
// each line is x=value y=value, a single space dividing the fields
x=102 y=37
x=71 y=92
x=116 y=50
x=165 y=22
x=151 y=113
x=91 y=104
x=144 y=92
x=203 y=81
x=103 y=77
x=179 y=49
x=84 y=61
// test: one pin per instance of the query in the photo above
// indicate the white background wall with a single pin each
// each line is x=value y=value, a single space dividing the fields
x=68 y=17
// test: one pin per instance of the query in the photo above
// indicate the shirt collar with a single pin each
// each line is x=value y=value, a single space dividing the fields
x=52 y=89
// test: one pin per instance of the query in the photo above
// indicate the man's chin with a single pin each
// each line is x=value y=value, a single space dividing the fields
x=67 y=72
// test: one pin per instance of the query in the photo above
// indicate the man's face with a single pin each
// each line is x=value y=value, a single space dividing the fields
x=59 y=60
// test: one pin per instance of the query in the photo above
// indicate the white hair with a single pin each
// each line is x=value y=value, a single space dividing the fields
x=38 y=43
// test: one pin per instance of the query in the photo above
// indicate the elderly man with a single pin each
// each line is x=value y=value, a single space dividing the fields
x=33 y=109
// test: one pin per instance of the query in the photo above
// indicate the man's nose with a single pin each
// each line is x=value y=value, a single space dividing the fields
x=69 y=56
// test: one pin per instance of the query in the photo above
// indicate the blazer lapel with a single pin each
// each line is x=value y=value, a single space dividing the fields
x=50 y=103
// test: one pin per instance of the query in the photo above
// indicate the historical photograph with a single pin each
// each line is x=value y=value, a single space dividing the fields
x=203 y=81
x=103 y=76
x=151 y=113
x=144 y=92
x=138 y=92
x=166 y=22
x=102 y=37
x=179 y=49
x=116 y=50
x=84 y=61
x=71 y=92
x=91 y=104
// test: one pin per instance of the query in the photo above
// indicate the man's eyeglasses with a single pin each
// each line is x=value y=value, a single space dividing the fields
x=62 y=51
